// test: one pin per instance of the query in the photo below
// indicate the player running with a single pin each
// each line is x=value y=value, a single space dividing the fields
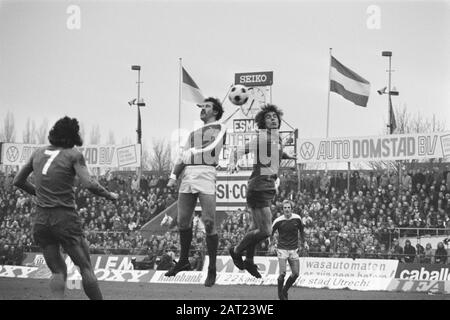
x=56 y=222
x=197 y=171
x=267 y=151
x=289 y=227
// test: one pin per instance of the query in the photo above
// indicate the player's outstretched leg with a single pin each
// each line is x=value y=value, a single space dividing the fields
x=80 y=256
x=249 y=264
x=237 y=259
x=295 y=267
x=212 y=242
x=57 y=266
x=289 y=282
x=280 y=286
x=208 y=204
x=282 y=260
x=262 y=218
x=183 y=263
x=186 y=206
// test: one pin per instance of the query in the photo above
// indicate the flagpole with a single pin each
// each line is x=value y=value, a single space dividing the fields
x=179 y=101
x=328 y=104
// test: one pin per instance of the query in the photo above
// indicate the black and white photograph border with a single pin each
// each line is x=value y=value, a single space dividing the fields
x=364 y=91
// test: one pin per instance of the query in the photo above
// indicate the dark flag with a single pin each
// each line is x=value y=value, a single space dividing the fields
x=393 y=124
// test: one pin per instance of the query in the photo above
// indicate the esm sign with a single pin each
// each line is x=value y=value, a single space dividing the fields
x=254 y=79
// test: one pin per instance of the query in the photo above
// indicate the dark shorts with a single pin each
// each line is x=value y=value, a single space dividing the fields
x=260 y=198
x=57 y=226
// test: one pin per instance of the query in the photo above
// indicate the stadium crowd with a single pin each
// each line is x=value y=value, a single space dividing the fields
x=109 y=227
x=363 y=216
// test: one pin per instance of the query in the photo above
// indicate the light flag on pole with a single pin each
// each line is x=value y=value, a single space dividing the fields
x=190 y=91
x=348 y=84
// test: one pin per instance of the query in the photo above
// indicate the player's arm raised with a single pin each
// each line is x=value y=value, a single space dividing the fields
x=20 y=180
x=89 y=182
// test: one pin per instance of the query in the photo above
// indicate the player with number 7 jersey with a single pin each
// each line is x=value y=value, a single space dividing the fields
x=56 y=222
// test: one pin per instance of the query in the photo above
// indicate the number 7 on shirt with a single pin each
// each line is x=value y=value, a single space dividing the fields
x=52 y=155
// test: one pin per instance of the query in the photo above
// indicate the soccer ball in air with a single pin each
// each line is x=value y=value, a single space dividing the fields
x=238 y=95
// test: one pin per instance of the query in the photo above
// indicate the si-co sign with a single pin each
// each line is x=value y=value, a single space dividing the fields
x=231 y=191
x=390 y=147
x=254 y=79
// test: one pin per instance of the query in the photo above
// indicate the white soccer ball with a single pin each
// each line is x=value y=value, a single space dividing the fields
x=238 y=95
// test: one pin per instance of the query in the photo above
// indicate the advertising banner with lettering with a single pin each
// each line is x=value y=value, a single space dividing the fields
x=346 y=267
x=360 y=274
x=98 y=261
x=97 y=156
x=417 y=271
x=231 y=191
x=375 y=148
x=187 y=277
x=254 y=79
x=101 y=274
x=433 y=286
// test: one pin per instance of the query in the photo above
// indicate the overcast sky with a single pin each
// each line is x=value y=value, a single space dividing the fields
x=49 y=70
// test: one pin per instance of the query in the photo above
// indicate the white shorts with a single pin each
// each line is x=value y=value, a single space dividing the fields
x=287 y=254
x=198 y=179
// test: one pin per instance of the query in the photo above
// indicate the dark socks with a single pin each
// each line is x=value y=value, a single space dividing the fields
x=251 y=238
x=212 y=242
x=250 y=252
x=280 y=286
x=289 y=282
x=185 y=244
x=92 y=290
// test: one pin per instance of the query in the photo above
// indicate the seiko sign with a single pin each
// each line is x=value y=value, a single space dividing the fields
x=254 y=79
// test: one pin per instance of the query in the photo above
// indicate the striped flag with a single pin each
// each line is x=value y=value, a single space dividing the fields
x=190 y=90
x=348 y=84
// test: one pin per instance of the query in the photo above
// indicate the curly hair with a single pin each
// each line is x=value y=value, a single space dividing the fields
x=259 y=118
x=65 y=133
x=217 y=106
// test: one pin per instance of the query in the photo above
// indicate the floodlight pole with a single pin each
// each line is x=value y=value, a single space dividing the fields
x=139 y=127
x=391 y=129
x=389 y=54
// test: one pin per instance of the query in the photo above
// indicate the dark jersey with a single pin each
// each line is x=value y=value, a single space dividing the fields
x=268 y=151
x=288 y=231
x=54 y=176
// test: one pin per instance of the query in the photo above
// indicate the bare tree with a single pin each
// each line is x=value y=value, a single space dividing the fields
x=42 y=132
x=146 y=159
x=95 y=135
x=29 y=134
x=111 y=138
x=160 y=157
x=126 y=140
x=409 y=123
x=82 y=131
x=8 y=133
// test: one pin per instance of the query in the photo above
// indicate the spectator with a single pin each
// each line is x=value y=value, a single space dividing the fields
x=4 y=254
x=440 y=255
x=196 y=261
x=396 y=251
x=353 y=252
x=420 y=253
x=428 y=254
x=409 y=252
